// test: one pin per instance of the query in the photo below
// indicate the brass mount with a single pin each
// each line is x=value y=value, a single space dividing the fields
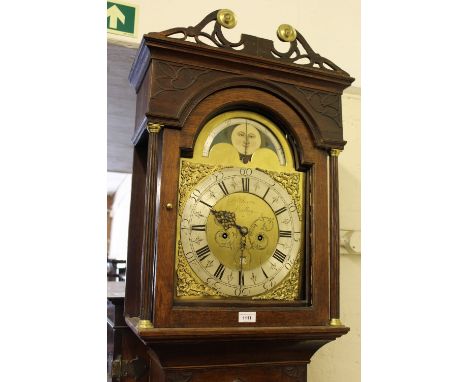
x=226 y=18
x=144 y=324
x=335 y=322
x=153 y=127
x=286 y=32
x=335 y=152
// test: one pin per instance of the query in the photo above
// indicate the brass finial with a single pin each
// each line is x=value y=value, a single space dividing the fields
x=226 y=18
x=153 y=127
x=286 y=33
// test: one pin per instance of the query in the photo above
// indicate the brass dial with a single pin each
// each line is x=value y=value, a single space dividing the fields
x=249 y=240
x=240 y=232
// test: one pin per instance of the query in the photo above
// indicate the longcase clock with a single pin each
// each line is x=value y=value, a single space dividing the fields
x=233 y=268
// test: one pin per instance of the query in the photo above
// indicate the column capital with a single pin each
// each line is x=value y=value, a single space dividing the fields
x=153 y=127
x=335 y=152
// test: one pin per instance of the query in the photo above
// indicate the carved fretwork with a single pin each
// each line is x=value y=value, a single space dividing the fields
x=314 y=59
x=171 y=77
x=254 y=46
x=216 y=36
x=327 y=104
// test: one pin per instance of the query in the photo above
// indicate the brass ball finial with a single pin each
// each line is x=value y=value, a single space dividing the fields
x=226 y=18
x=286 y=33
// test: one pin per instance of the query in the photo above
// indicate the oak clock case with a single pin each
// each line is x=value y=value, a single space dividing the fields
x=234 y=205
x=240 y=227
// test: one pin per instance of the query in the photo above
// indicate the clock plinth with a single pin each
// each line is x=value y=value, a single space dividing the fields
x=231 y=275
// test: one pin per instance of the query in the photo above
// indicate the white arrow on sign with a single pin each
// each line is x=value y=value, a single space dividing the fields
x=115 y=14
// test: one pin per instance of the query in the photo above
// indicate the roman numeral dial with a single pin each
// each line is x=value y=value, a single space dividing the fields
x=203 y=253
x=220 y=271
x=280 y=256
x=245 y=184
x=223 y=188
x=240 y=232
x=280 y=211
x=198 y=227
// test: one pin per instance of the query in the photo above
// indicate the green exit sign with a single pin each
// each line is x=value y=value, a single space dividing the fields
x=121 y=18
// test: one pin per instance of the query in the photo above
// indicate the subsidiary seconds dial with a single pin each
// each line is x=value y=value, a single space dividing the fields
x=240 y=232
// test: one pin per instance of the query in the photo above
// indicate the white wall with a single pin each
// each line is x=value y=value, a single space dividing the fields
x=120 y=214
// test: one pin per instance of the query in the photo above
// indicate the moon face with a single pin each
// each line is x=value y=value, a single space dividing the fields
x=247 y=133
x=246 y=138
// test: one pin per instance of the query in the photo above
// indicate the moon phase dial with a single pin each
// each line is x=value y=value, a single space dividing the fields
x=240 y=232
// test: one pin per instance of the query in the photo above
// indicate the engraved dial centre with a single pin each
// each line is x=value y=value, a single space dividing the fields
x=255 y=220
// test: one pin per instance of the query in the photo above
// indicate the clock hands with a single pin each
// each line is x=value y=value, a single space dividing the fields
x=228 y=219
x=242 y=257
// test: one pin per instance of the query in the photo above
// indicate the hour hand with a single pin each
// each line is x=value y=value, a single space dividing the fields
x=226 y=218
